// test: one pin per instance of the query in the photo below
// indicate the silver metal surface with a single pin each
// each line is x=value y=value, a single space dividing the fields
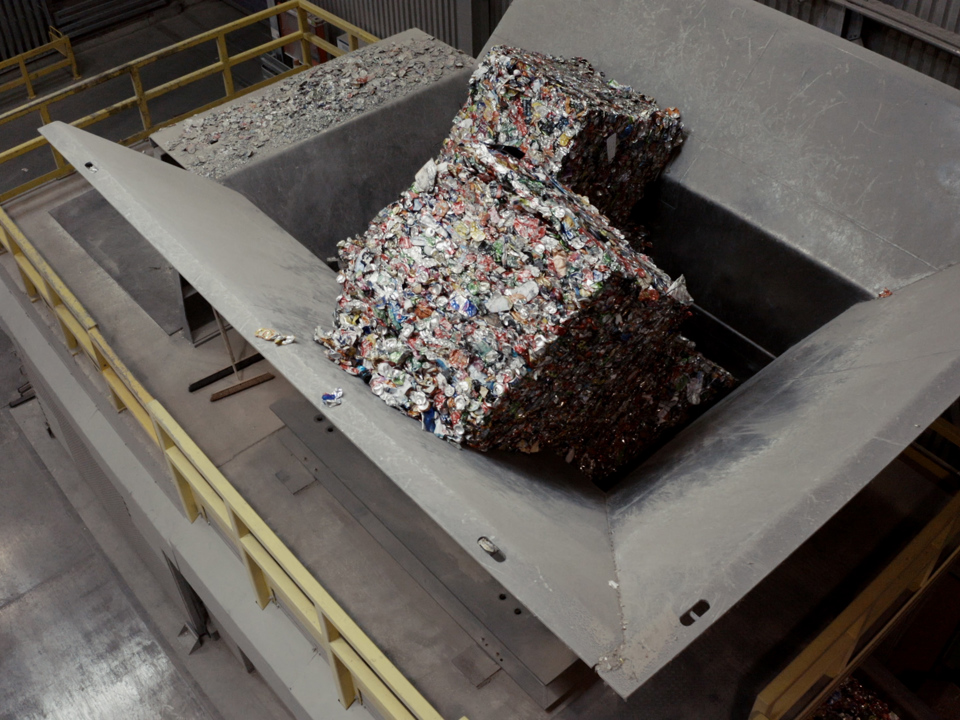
x=897 y=42
x=614 y=577
x=528 y=651
x=542 y=515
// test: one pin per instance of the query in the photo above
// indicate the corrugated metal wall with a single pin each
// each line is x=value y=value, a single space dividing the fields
x=388 y=17
x=24 y=25
x=803 y=10
x=441 y=18
x=497 y=9
x=892 y=43
x=900 y=46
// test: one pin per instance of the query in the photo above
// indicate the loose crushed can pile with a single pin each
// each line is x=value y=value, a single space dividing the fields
x=498 y=305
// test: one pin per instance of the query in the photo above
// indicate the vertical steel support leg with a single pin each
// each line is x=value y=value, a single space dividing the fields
x=342 y=678
x=26 y=78
x=227 y=70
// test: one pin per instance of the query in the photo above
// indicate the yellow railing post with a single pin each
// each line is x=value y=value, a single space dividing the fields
x=304 y=26
x=258 y=578
x=141 y=98
x=225 y=62
x=26 y=77
x=843 y=645
x=45 y=118
x=71 y=56
x=360 y=670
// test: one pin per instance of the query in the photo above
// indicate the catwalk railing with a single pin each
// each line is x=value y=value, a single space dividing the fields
x=59 y=43
x=360 y=670
x=821 y=666
x=142 y=97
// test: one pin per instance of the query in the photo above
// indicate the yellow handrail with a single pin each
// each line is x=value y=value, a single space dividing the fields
x=58 y=43
x=359 y=669
x=142 y=97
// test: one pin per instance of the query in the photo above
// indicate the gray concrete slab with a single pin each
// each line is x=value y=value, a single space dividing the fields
x=233 y=691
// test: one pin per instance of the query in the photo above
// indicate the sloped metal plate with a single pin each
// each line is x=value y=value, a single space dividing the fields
x=704 y=520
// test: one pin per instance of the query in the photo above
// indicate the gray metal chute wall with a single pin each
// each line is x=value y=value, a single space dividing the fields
x=330 y=186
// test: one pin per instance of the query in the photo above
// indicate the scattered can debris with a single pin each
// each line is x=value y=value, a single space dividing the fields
x=218 y=142
x=333 y=399
x=275 y=336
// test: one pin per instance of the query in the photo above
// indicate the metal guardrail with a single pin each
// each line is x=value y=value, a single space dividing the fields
x=142 y=97
x=821 y=666
x=58 y=43
x=360 y=670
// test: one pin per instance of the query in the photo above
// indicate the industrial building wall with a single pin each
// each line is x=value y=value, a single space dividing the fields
x=465 y=24
x=891 y=42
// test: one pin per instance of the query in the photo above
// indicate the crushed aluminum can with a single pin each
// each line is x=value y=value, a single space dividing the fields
x=333 y=399
x=276 y=337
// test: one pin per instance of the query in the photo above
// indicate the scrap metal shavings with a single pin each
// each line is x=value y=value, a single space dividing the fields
x=276 y=337
x=852 y=701
x=333 y=399
x=218 y=142
x=495 y=303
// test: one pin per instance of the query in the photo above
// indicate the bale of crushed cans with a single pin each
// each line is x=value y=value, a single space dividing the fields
x=495 y=303
x=599 y=138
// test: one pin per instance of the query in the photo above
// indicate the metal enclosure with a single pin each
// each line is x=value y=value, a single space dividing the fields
x=792 y=204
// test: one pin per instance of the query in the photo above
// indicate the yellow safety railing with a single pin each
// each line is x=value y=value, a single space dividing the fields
x=817 y=671
x=360 y=670
x=142 y=97
x=58 y=43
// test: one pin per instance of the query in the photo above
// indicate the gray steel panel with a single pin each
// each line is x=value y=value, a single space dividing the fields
x=706 y=519
x=365 y=491
x=773 y=463
x=546 y=519
x=843 y=132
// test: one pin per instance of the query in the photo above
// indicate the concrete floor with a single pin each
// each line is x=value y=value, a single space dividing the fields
x=86 y=631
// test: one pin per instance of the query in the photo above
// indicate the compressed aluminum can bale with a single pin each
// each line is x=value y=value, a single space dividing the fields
x=600 y=138
x=503 y=310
